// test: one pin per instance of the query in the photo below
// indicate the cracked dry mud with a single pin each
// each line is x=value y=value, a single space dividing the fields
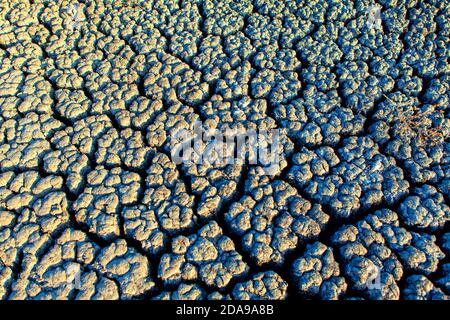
x=87 y=181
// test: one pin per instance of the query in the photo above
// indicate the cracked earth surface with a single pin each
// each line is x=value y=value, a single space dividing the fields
x=87 y=180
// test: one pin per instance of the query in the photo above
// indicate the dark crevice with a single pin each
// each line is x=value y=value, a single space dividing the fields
x=154 y=263
x=226 y=229
x=440 y=273
x=92 y=236
x=202 y=12
x=16 y=269
x=56 y=114
x=4 y=48
x=88 y=94
x=186 y=179
x=141 y=87
x=168 y=50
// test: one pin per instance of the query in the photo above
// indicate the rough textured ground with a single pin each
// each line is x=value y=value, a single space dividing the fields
x=86 y=178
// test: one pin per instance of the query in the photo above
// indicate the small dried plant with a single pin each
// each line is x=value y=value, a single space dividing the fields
x=421 y=125
x=133 y=4
x=424 y=127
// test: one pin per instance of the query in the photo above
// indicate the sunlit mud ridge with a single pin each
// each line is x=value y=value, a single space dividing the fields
x=94 y=206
